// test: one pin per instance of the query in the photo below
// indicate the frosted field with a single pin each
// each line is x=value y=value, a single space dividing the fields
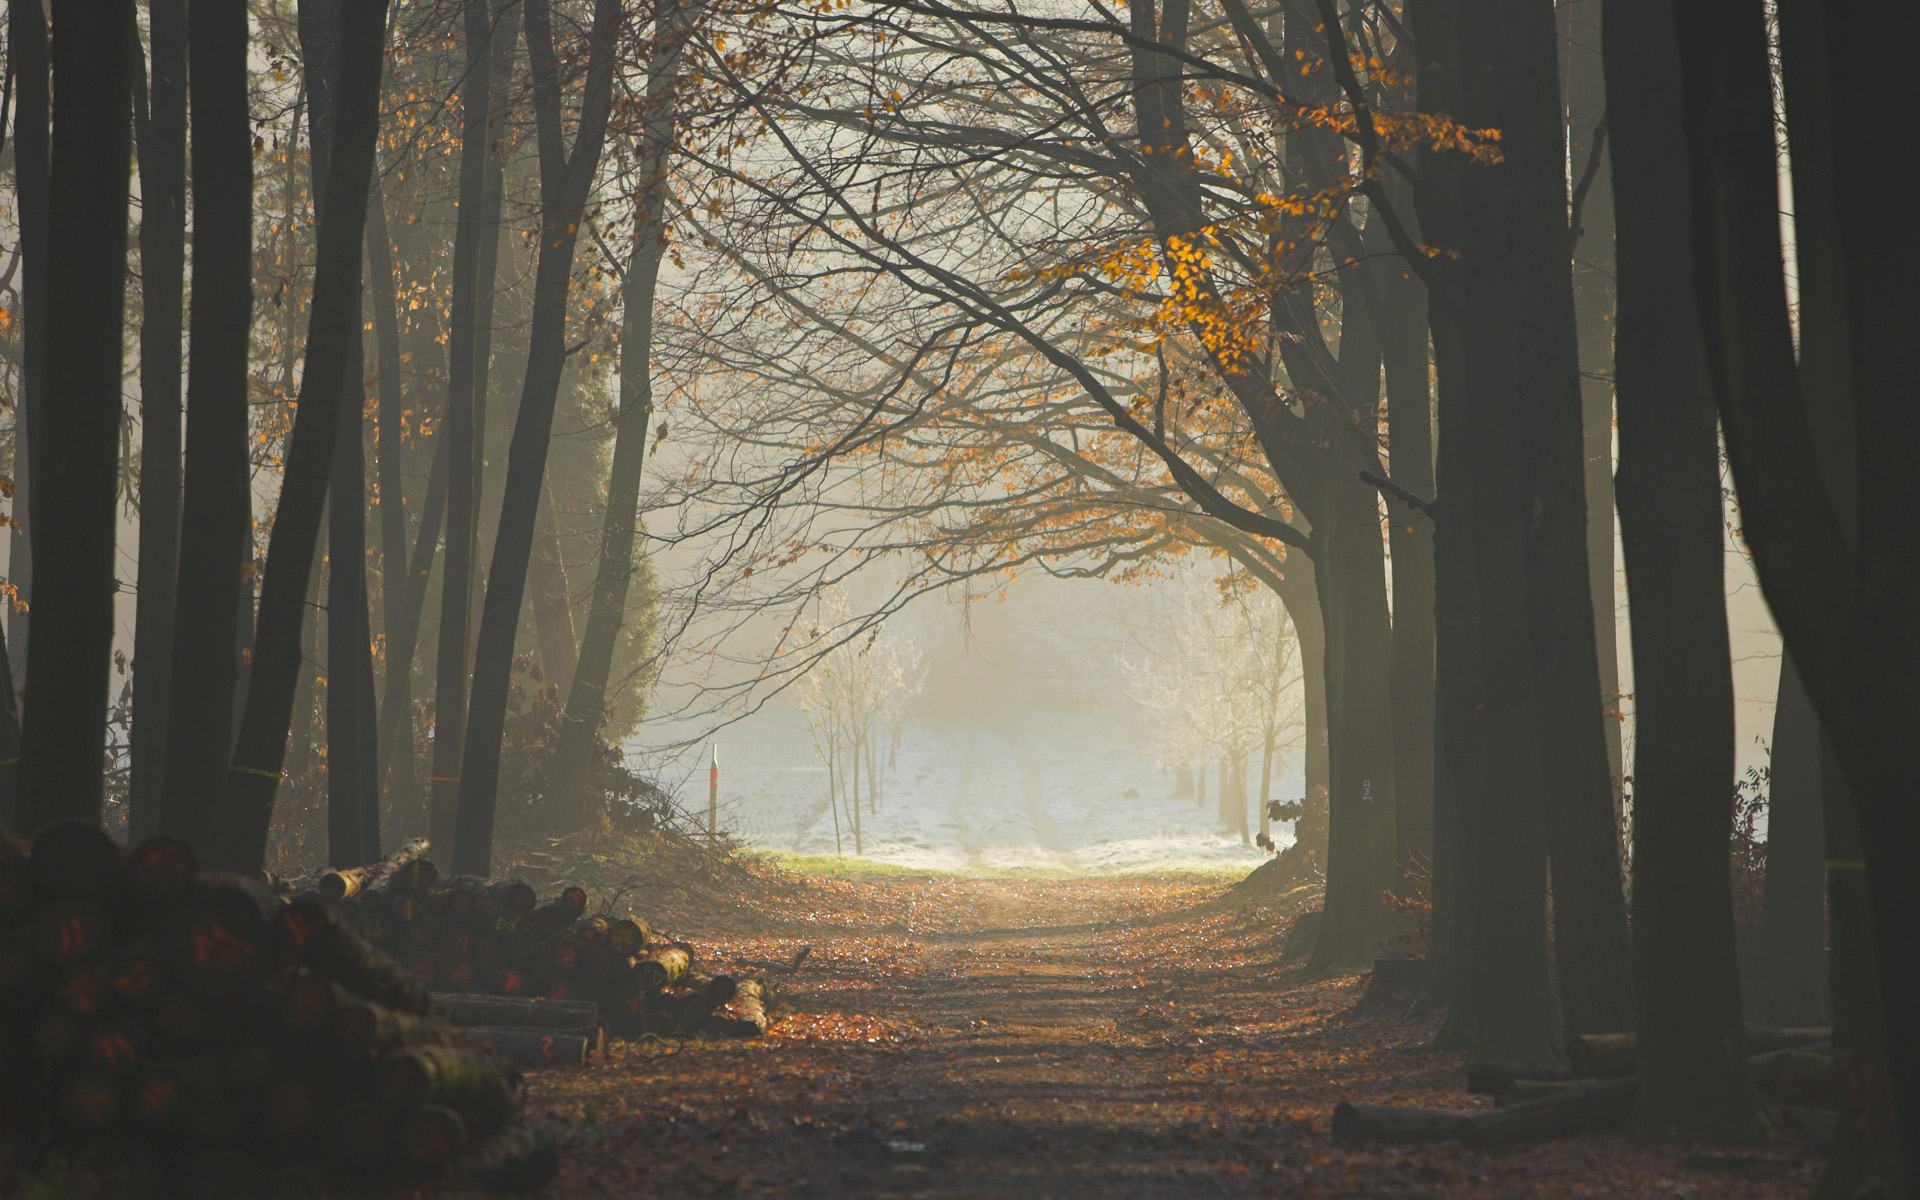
x=1026 y=792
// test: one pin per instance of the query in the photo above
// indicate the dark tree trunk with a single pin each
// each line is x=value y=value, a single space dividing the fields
x=353 y=805
x=1403 y=341
x=1847 y=616
x=1869 y=94
x=1695 y=1085
x=216 y=540
x=552 y=600
x=9 y=743
x=1792 y=954
x=242 y=836
x=587 y=694
x=1593 y=303
x=1436 y=195
x=1592 y=952
x=27 y=55
x=299 y=758
x=1457 y=717
x=163 y=191
x=1866 y=1158
x=353 y=810
x=1351 y=573
x=1312 y=631
x=74 y=506
x=456 y=583
x=1511 y=1015
x=565 y=179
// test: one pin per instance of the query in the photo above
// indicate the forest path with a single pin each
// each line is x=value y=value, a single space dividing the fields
x=1111 y=1037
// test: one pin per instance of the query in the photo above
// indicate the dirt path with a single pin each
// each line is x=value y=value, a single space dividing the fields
x=1108 y=1038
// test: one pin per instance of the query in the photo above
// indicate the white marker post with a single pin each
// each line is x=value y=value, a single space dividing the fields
x=713 y=791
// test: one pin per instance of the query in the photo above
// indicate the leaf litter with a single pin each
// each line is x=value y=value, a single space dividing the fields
x=1116 y=1037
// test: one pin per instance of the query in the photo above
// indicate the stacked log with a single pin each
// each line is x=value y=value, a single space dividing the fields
x=468 y=939
x=188 y=1033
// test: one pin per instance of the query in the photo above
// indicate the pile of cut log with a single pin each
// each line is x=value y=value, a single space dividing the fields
x=174 y=1031
x=470 y=939
x=1595 y=1093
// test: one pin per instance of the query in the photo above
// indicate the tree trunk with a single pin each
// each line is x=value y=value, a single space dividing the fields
x=1593 y=955
x=565 y=181
x=1351 y=573
x=389 y=450
x=353 y=806
x=1866 y=1156
x=353 y=820
x=1867 y=1153
x=9 y=744
x=75 y=506
x=1457 y=732
x=552 y=602
x=27 y=55
x=1403 y=340
x=1792 y=955
x=396 y=741
x=486 y=269
x=1696 y=1086
x=456 y=583
x=1511 y=1015
x=1593 y=304
x=241 y=838
x=587 y=693
x=163 y=188
x=299 y=759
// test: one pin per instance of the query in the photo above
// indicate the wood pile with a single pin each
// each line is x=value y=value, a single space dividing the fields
x=171 y=1031
x=466 y=939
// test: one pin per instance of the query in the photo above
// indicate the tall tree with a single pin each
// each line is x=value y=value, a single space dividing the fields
x=566 y=178
x=27 y=59
x=163 y=208
x=1510 y=1014
x=1693 y=1064
x=587 y=695
x=216 y=541
x=1591 y=948
x=64 y=732
x=1593 y=306
x=1457 y=711
x=241 y=840
x=456 y=586
x=1845 y=605
x=353 y=806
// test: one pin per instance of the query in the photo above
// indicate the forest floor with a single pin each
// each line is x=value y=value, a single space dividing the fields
x=1117 y=1037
